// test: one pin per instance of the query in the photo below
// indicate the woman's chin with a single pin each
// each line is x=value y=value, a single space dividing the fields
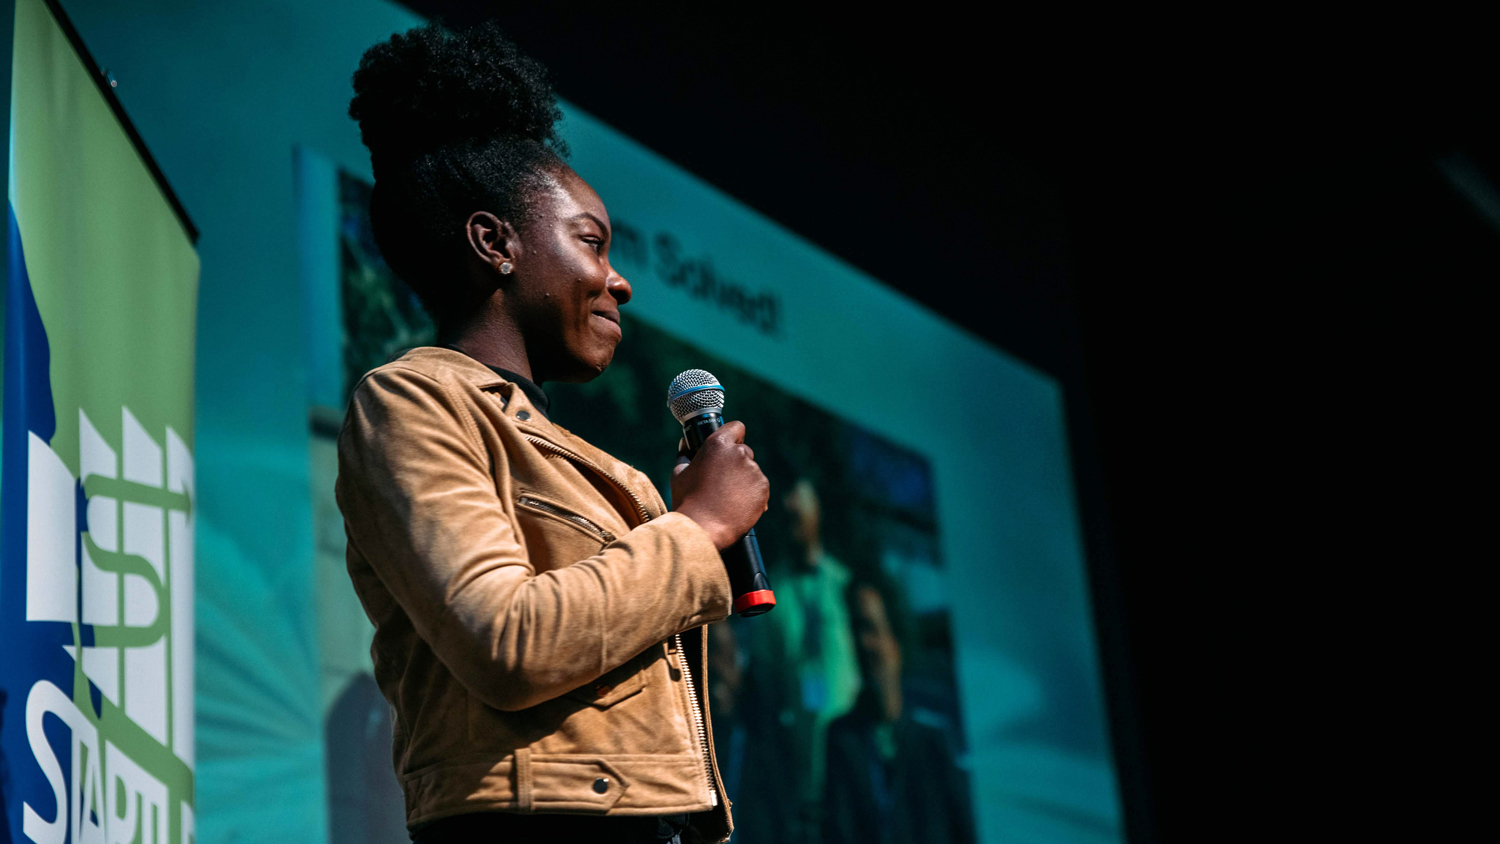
x=588 y=368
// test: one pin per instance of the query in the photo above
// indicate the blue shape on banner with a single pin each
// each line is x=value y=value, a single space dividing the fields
x=32 y=651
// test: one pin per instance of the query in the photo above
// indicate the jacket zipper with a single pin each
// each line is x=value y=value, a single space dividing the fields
x=698 y=720
x=584 y=461
x=576 y=519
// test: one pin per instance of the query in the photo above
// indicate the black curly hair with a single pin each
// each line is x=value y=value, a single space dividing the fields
x=456 y=122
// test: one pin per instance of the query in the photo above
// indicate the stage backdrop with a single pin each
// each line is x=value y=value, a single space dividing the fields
x=224 y=92
x=96 y=578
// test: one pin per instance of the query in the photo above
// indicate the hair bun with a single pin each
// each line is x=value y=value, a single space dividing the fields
x=430 y=88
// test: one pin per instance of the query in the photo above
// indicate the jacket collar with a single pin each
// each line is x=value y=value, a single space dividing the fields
x=469 y=369
x=517 y=407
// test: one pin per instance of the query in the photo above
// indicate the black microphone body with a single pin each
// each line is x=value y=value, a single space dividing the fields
x=747 y=571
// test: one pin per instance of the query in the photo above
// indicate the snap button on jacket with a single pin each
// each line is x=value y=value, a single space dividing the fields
x=538 y=613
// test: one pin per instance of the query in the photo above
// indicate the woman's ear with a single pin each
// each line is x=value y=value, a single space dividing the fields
x=493 y=241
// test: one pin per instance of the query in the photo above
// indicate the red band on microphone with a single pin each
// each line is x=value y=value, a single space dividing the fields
x=755 y=603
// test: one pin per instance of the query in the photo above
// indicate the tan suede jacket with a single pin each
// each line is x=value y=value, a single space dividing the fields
x=538 y=613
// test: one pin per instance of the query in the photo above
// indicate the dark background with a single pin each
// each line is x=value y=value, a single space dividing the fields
x=1229 y=241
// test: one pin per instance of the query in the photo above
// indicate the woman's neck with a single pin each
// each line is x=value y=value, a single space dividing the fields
x=492 y=340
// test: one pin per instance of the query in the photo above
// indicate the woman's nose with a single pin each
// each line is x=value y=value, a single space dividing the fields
x=618 y=287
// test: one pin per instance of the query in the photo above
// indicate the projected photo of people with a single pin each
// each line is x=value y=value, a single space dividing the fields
x=836 y=715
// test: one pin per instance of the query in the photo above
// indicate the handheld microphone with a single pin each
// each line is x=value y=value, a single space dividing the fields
x=696 y=400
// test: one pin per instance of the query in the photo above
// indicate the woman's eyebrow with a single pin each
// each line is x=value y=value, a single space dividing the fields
x=589 y=216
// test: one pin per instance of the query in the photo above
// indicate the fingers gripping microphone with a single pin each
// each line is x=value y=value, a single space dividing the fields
x=696 y=399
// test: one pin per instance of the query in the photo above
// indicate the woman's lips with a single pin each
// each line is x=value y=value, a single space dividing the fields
x=611 y=320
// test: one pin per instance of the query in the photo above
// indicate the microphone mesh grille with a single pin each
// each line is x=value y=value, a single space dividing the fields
x=693 y=392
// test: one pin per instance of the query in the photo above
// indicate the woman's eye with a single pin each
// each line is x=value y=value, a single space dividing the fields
x=598 y=245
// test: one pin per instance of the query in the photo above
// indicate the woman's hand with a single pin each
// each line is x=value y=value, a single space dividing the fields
x=722 y=489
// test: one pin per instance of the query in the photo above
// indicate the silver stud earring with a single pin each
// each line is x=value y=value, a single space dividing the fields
x=505 y=268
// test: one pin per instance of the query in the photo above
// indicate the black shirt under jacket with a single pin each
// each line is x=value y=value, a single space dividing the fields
x=533 y=392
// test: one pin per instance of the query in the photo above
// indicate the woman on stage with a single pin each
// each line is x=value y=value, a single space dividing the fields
x=538 y=612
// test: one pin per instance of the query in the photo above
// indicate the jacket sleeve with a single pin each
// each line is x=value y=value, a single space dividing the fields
x=416 y=486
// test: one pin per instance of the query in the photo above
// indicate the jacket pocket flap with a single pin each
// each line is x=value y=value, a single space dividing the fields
x=613 y=687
